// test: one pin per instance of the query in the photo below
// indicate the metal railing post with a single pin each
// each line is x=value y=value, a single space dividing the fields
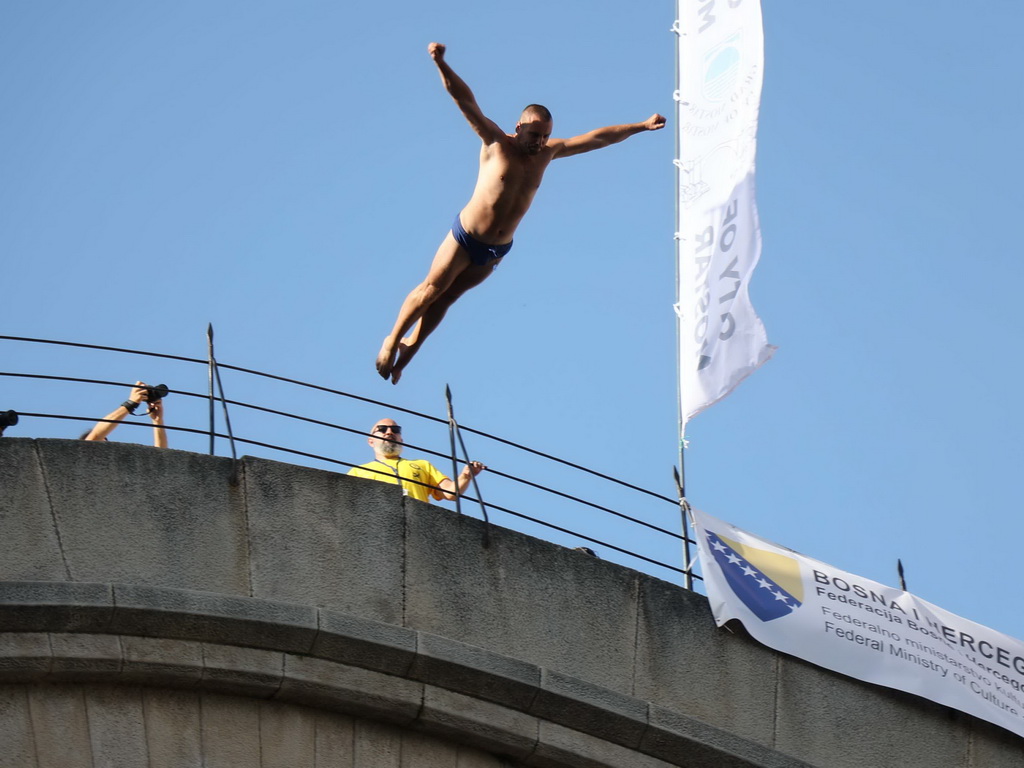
x=451 y=441
x=454 y=429
x=209 y=366
x=215 y=372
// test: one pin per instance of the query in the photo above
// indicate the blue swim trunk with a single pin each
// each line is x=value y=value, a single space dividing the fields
x=479 y=253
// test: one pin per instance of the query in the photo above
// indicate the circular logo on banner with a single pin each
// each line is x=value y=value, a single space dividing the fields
x=721 y=70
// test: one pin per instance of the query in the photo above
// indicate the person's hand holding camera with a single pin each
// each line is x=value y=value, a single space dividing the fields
x=140 y=393
x=137 y=396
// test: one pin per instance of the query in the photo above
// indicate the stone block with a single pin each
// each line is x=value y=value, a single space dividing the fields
x=335 y=740
x=992 y=746
x=214 y=618
x=826 y=718
x=242 y=671
x=82 y=658
x=60 y=726
x=589 y=708
x=159 y=661
x=27 y=528
x=325 y=539
x=364 y=643
x=132 y=514
x=520 y=597
x=173 y=728
x=377 y=745
x=682 y=657
x=560 y=746
x=55 y=606
x=679 y=739
x=477 y=759
x=287 y=735
x=318 y=683
x=484 y=725
x=230 y=731
x=18 y=748
x=24 y=656
x=475 y=671
x=117 y=729
x=422 y=751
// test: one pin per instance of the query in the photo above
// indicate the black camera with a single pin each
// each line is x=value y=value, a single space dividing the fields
x=159 y=392
x=7 y=419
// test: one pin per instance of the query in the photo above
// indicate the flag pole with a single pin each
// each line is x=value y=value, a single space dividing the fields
x=684 y=514
x=680 y=473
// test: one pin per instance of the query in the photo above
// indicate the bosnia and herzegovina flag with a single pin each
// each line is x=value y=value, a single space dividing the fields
x=767 y=582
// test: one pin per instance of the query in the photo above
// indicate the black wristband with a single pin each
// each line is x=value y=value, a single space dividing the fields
x=129 y=406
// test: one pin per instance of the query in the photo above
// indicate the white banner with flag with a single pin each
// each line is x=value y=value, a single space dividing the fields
x=721 y=61
x=859 y=627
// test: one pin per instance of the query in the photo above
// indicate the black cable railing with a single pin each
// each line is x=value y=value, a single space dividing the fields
x=328 y=390
x=233 y=438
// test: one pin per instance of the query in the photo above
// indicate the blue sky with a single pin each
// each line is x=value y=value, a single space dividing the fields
x=285 y=172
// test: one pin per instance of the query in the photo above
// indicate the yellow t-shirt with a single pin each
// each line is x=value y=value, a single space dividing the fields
x=389 y=470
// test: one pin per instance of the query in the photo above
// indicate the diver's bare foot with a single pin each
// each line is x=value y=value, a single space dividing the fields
x=386 y=359
x=406 y=350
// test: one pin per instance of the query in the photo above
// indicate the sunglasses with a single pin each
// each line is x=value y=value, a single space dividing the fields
x=382 y=428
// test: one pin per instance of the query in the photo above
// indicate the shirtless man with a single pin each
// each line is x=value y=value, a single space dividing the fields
x=511 y=169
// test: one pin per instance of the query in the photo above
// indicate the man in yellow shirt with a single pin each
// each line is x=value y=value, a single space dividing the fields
x=418 y=477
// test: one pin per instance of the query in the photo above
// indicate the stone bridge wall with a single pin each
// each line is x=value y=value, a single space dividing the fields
x=153 y=613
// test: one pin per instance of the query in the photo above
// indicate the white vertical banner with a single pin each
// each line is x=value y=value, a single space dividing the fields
x=858 y=627
x=721 y=65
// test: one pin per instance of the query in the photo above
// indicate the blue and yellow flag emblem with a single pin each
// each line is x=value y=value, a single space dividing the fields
x=768 y=583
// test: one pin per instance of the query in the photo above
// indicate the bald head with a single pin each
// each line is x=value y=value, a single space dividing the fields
x=386 y=439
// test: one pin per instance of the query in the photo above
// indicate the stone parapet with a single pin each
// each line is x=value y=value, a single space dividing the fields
x=299 y=590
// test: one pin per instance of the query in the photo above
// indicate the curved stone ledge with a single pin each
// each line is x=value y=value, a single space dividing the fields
x=75 y=632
